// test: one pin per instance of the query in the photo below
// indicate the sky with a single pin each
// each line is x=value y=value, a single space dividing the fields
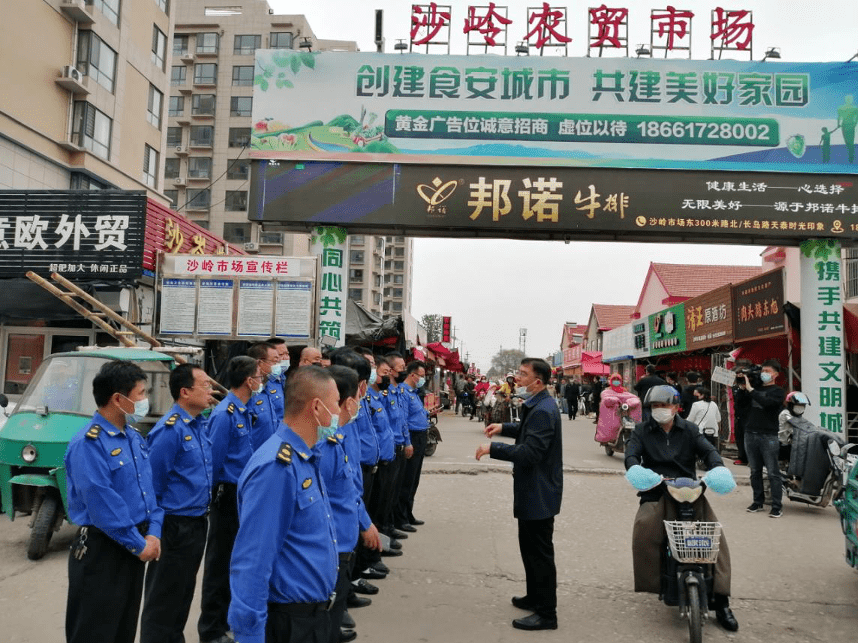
x=493 y=288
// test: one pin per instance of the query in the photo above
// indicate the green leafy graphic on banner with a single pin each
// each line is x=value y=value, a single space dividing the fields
x=328 y=236
x=819 y=248
x=282 y=61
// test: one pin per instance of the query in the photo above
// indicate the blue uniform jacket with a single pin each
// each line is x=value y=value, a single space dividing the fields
x=537 y=458
x=180 y=454
x=264 y=414
x=402 y=403
x=338 y=477
x=391 y=400
x=232 y=439
x=382 y=426
x=368 y=437
x=349 y=439
x=286 y=547
x=417 y=417
x=110 y=483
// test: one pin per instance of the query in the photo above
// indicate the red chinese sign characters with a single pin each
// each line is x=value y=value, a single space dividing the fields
x=486 y=23
x=674 y=27
x=605 y=26
x=427 y=21
x=732 y=29
x=546 y=24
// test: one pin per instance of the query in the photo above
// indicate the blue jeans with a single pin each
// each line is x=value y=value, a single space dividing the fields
x=762 y=450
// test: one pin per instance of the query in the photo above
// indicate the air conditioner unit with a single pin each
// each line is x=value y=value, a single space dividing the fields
x=70 y=71
x=179 y=180
x=251 y=246
x=181 y=150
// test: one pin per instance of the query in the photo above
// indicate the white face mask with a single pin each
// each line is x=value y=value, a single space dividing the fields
x=662 y=416
x=798 y=409
x=141 y=410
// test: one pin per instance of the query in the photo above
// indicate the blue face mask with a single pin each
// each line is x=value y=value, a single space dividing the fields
x=421 y=382
x=372 y=376
x=765 y=377
x=141 y=410
x=277 y=370
x=324 y=432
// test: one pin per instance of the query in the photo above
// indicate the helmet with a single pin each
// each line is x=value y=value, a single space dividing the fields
x=663 y=393
x=510 y=374
x=796 y=397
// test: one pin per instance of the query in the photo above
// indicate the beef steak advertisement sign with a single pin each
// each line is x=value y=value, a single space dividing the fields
x=79 y=234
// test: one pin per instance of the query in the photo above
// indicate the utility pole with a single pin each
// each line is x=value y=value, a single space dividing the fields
x=522 y=340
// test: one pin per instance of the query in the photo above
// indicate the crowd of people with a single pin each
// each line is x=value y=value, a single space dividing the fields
x=287 y=494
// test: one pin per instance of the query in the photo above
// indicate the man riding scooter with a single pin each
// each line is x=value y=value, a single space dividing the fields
x=667 y=446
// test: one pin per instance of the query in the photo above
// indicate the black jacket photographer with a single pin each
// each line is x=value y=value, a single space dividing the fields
x=742 y=405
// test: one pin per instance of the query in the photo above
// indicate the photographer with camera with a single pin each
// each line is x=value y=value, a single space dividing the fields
x=742 y=405
x=761 y=432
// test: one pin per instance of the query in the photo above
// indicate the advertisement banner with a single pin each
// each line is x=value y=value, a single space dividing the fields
x=95 y=234
x=823 y=371
x=709 y=319
x=617 y=344
x=330 y=245
x=557 y=203
x=758 y=307
x=667 y=331
x=608 y=112
x=640 y=338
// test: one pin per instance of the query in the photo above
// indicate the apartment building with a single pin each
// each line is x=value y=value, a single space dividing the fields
x=84 y=86
x=380 y=273
x=207 y=169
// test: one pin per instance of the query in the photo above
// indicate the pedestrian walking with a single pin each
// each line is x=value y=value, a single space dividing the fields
x=571 y=393
x=537 y=489
x=111 y=497
x=181 y=458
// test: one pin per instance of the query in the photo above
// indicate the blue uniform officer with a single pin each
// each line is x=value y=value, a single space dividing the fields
x=267 y=401
x=111 y=497
x=417 y=422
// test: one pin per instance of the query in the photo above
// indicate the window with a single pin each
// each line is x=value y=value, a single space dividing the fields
x=236 y=201
x=356 y=256
x=176 y=107
x=377 y=281
x=242 y=76
x=207 y=43
x=91 y=129
x=356 y=275
x=280 y=40
x=174 y=137
x=178 y=75
x=397 y=279
x=198 y=199
x=355 y=293
x=238 y=169
x=397 y=292
x=236 y=232
x=81 y=181
x=376 y=298
x=153 y=111
x=400 y=239
x=180 y=45
x=271 y=238
x=240 y=105
x=397 y=307
x=399 y=265
x=171 y=168
x=203 y=104
x=205 y=74
x=159 y=47
x=163 y=5
x=96 y=60
x=246 y=45
x=110 y=9
x=399 y=252
x=356 y=239
x=173 y=196
x=202 y=135
x=199 y=167
x=150 y=166
x=239 y=136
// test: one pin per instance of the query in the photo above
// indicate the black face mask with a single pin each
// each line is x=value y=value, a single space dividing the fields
x=384 y=383
x=401 y=377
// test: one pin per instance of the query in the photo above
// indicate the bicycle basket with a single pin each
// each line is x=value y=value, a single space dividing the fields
x=693 y=542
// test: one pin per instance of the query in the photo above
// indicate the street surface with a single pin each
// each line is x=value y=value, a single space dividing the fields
x=454 y=583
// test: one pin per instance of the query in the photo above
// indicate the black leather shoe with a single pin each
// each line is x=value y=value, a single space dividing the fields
x=726 y=619
x=535 y=622
x=348 y=622
x=406 y=527
x=363 y=587
x=381 y=567
x=372 y=574
x=347 y=635
x=355 y=601
x=415 y=522
x=523 y=603
x=392 y=552
x=395 y=544
x=395 y=533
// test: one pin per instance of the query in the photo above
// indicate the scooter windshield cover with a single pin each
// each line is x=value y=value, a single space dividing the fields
x=684 y=489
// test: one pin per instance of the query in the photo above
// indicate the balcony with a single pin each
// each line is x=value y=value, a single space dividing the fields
x=76 y=11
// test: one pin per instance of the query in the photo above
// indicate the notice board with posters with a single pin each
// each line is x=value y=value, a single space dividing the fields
x=249 y=297
x=709 y=319
x=667 y=330
x=758 y=307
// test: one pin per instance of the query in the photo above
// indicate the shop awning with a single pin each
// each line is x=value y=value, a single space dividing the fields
x=591 y=362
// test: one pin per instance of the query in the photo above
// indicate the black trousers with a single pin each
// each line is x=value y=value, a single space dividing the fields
x=105 y=589
x=740 y=439
x=290 y=624
x=396 y=486
x=572 y=405
x=223 y=527
x=170 y=581
x=365 y=557
x=536 y=543
x=342 y=589
x=382 y=493
x=410 y=479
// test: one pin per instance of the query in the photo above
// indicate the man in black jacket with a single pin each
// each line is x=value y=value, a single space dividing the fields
x=537 y=458
x=571 y=393
x=687 y=398
x=645 y=384
x=761 y=436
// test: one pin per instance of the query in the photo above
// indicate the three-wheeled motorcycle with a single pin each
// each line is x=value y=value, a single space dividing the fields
x=56 y=404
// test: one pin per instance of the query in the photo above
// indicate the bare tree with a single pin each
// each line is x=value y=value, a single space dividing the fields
x=432 y=324
x=506 y=360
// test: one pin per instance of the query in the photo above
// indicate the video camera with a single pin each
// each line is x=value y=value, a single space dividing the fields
x=753 y=373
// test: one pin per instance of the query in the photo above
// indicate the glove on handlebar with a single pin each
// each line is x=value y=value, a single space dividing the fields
x=720 y=480
x=642 y=479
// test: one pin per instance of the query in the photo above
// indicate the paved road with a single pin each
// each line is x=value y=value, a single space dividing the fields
x=791 y=584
